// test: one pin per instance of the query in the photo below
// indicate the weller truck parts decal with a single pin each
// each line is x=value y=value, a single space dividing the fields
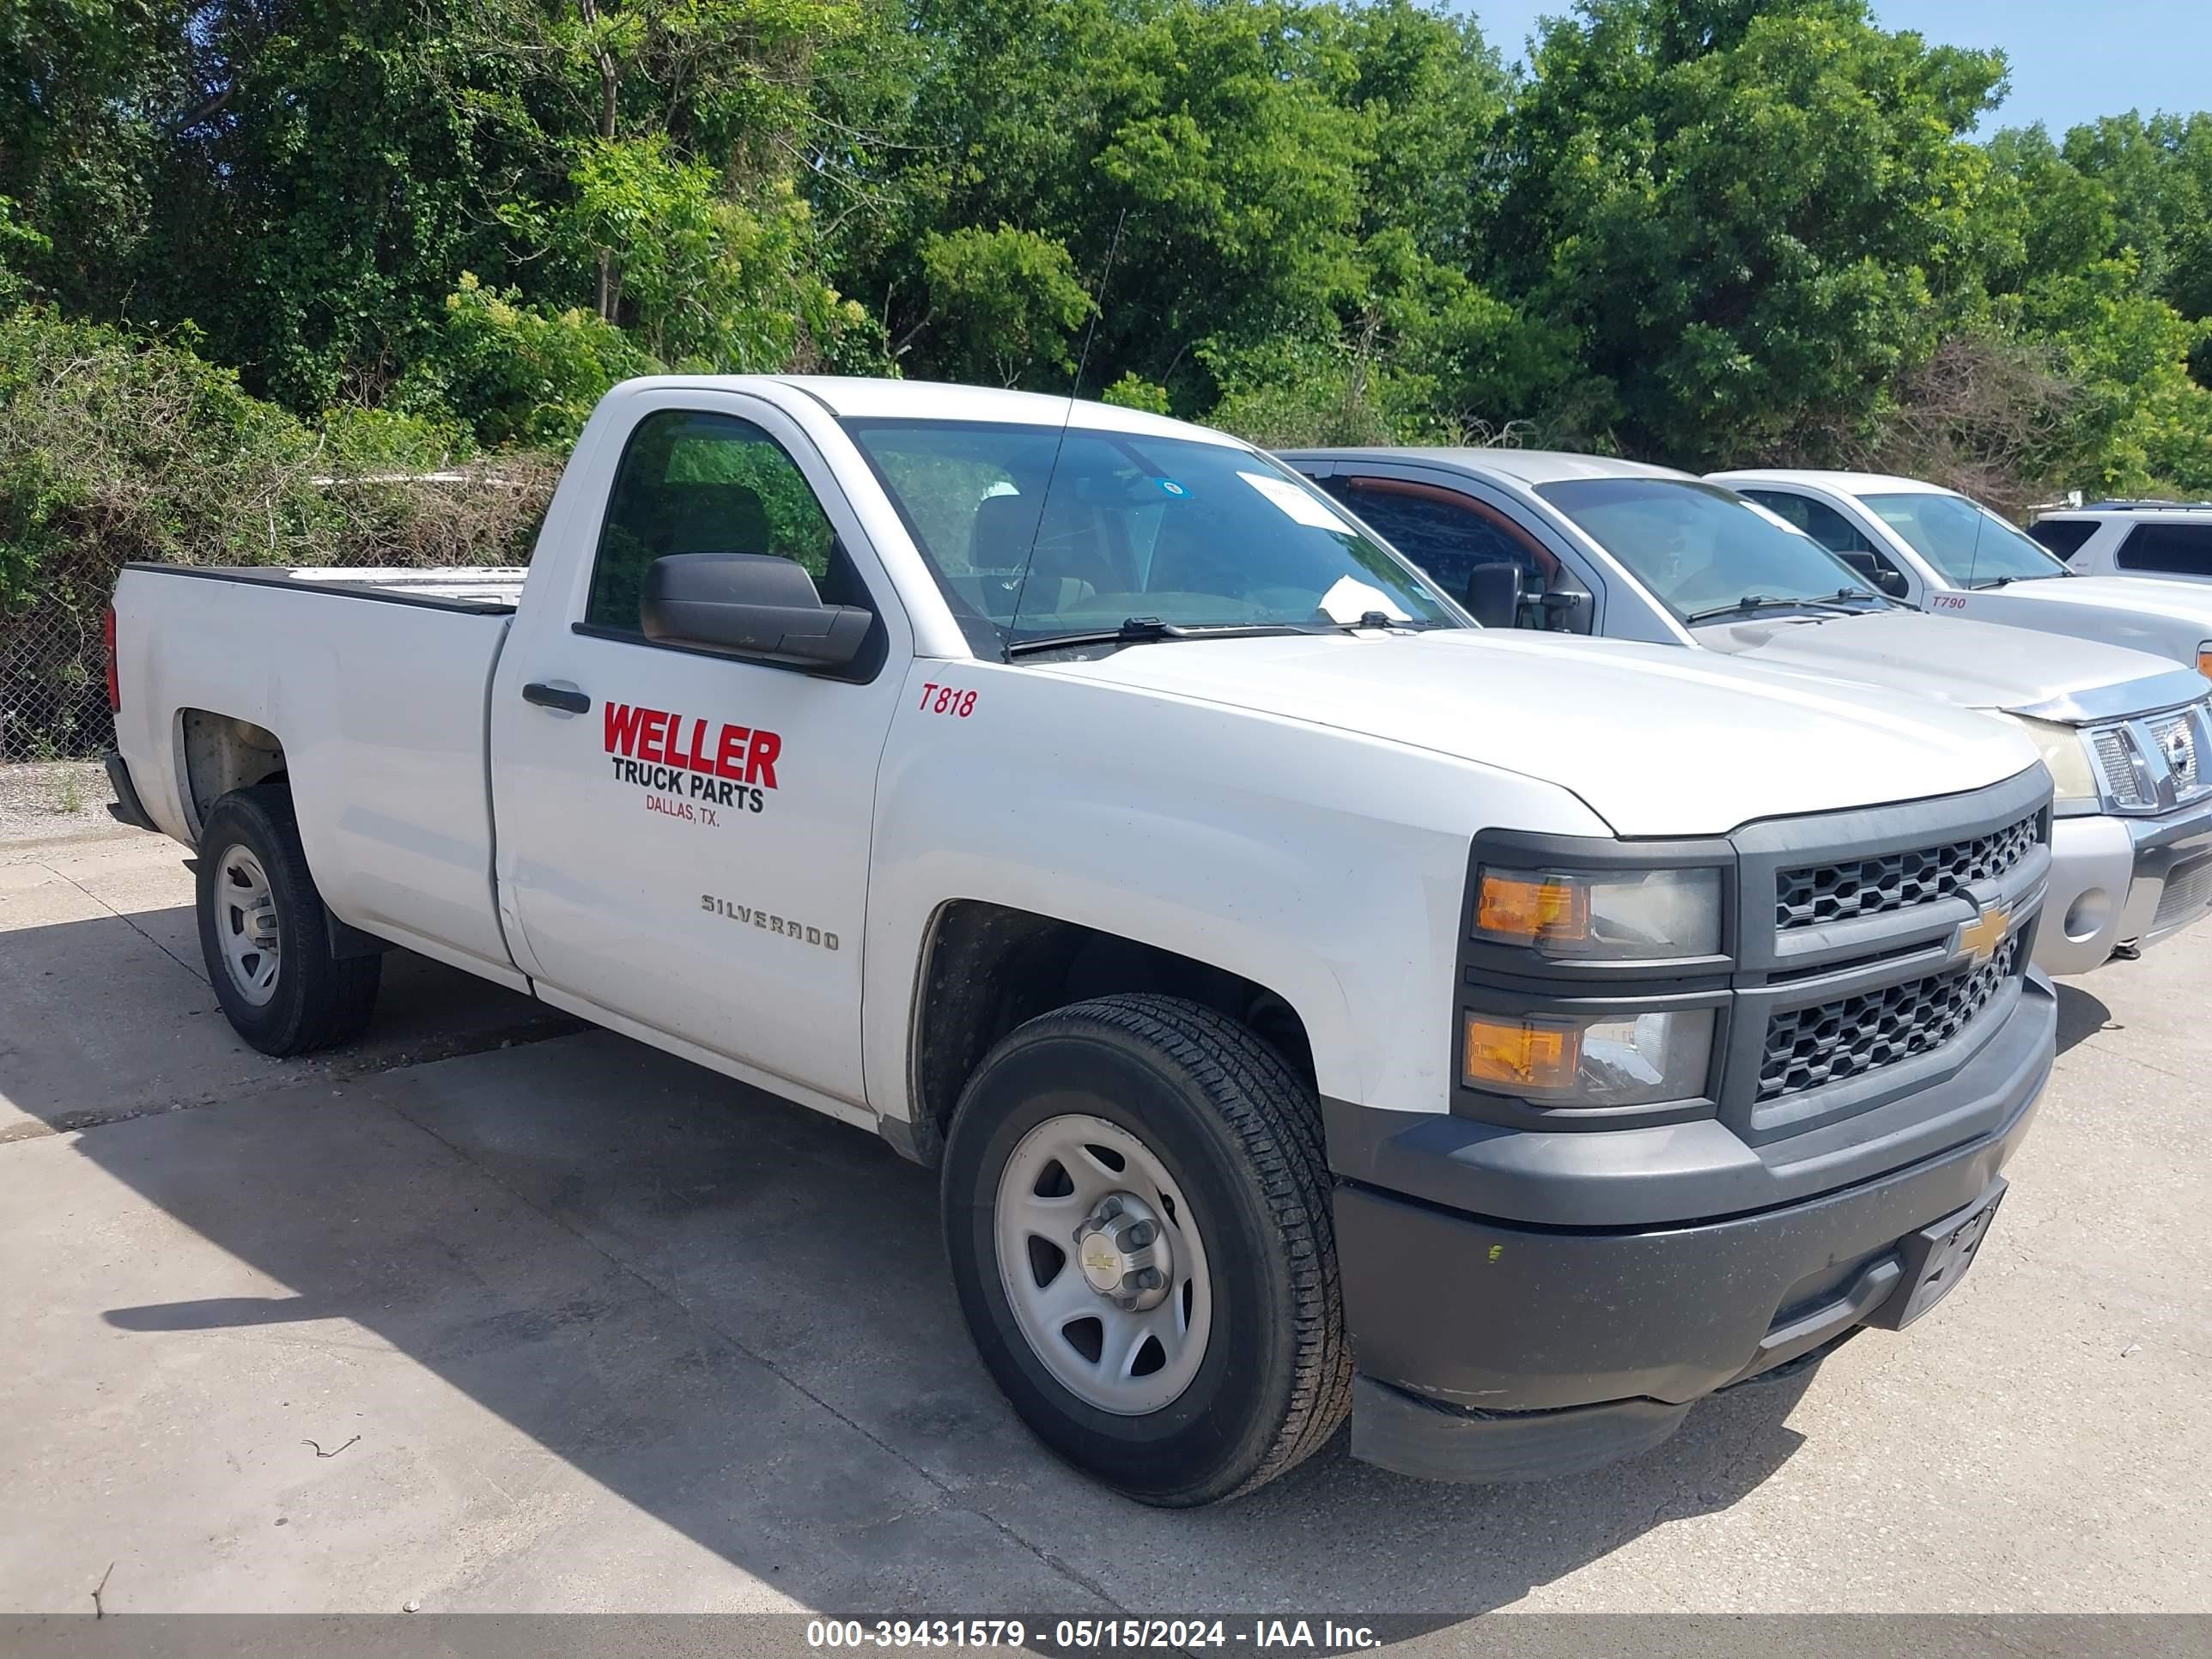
x=709 y=761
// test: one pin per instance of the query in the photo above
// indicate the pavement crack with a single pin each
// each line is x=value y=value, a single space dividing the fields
x=952 y=1500
x=2136 y=1059
x=126 y=920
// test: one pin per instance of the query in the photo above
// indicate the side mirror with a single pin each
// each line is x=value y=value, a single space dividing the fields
x=1566 y=612
x=749 y=604
x=1494 y=594
x=1884 y=576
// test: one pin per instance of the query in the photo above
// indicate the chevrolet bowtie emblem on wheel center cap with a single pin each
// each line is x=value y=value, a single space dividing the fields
x=1978 y=941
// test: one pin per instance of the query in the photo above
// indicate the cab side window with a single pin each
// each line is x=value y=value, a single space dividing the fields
x=694 y=482
x=1816 y=519
x=2167 y=549
x=1447 y=541
x=2063 y=536
x=1832 y=531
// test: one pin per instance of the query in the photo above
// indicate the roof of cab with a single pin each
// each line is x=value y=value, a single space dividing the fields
x=1845 y=484
x=1528 y=466
x=858 y=397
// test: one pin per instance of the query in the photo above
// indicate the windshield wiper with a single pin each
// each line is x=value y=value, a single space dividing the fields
x=1151 y=630
x=1751 y=603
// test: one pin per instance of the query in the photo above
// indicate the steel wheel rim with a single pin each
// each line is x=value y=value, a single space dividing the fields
x=246 y=926
x=1126 y=1361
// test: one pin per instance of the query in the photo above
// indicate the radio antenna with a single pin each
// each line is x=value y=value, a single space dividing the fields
x=1082 y=363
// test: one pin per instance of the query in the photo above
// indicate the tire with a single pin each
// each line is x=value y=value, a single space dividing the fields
x=296 y=998
x=1221 y=1141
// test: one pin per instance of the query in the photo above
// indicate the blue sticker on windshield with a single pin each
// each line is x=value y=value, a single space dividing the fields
x=1172 y=488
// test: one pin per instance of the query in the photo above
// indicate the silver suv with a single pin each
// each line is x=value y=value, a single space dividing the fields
x=2169 y=540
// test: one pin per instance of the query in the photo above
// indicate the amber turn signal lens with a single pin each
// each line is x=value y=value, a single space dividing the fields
x=1532 y=907
x=2204 y=663
x=1516 y=1055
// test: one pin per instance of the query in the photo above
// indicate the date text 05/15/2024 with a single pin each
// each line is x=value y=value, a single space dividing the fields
x=1298 y=1636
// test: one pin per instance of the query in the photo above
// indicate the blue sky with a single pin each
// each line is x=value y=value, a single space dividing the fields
x=2071 y=61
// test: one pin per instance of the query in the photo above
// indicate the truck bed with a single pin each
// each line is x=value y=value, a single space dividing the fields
x=375 y=713
x=493 y=589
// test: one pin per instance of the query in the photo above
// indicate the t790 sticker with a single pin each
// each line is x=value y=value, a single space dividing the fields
x=712 y=762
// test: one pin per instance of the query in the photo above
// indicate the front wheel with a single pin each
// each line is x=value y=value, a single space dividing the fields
x=265 y=935
x=1136 y=1207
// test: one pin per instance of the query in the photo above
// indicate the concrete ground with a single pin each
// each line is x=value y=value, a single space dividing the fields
x=492 y=1314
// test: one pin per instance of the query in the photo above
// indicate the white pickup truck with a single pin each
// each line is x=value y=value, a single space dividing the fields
x=1951 y=555
x=1588 y=544
x=1313 y=1003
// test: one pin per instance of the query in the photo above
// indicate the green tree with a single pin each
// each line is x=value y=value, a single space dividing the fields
x=1003 y=303
x=1210 y=149
x=1753 y=216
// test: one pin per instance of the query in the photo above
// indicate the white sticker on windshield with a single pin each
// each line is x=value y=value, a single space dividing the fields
x=1351 y=598
x=1294 y=503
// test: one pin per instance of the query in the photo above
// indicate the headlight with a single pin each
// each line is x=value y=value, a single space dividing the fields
x=2069 y=762
x=1630 y=916
x=1625 y=1060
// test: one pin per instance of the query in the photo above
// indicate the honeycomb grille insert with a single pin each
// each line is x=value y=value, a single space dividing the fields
x=1808 y=1047
x=1819 y=894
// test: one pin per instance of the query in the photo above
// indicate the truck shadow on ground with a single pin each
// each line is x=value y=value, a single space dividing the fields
x=112 y=1019
x=2081 y=1015
x=734 y=1316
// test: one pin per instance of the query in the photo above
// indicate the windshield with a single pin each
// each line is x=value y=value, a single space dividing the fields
x=1969 y=545
x=1190 y=533
x=1702 y=549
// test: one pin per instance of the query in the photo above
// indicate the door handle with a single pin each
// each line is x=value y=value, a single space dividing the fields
x=554 y=697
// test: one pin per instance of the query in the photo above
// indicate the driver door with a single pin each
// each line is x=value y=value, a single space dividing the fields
x=684 y=834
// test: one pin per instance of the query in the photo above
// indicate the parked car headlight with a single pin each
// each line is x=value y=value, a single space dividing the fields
x=2073 y=779
x=1604 y=916
x=1610 y=1059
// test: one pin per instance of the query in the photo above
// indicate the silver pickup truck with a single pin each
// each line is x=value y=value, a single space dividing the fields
x=1579 y=543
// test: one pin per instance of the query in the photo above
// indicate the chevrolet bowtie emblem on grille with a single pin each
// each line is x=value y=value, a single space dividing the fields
x=1978 y=941
x=2176 y=750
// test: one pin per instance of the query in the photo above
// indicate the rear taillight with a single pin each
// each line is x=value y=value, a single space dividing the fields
x=108 y=632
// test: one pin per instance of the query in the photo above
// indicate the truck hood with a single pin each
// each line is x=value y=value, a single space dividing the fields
x=1654 y=740
x=2181 y=602
x=1951 y=660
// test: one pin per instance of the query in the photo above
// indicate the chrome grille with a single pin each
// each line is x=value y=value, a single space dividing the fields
x=2156 y=762
x=1817 y=894
x=1806 y=1048
x=2116 y=762
x=2186 y=895
x=2175 y=736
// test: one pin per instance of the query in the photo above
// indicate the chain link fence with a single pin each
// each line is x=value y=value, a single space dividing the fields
x=53 y=683
x=53 y=650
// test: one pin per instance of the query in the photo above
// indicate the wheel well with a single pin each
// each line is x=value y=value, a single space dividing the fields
x=222 y=753
x=988 y=968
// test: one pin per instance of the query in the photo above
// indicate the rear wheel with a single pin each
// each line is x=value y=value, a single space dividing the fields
x=265 y=935
x=1136 y=1209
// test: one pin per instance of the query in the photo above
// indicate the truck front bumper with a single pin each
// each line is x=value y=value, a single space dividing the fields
x=1492 y=1350
x=2113 y=879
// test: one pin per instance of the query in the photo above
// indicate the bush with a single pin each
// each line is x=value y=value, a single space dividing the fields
x=525 y=374
x=114 y=448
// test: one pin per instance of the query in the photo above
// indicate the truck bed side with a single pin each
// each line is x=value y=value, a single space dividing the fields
x=369 y=696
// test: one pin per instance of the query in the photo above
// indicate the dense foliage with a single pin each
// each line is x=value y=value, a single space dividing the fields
x=249 y=244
